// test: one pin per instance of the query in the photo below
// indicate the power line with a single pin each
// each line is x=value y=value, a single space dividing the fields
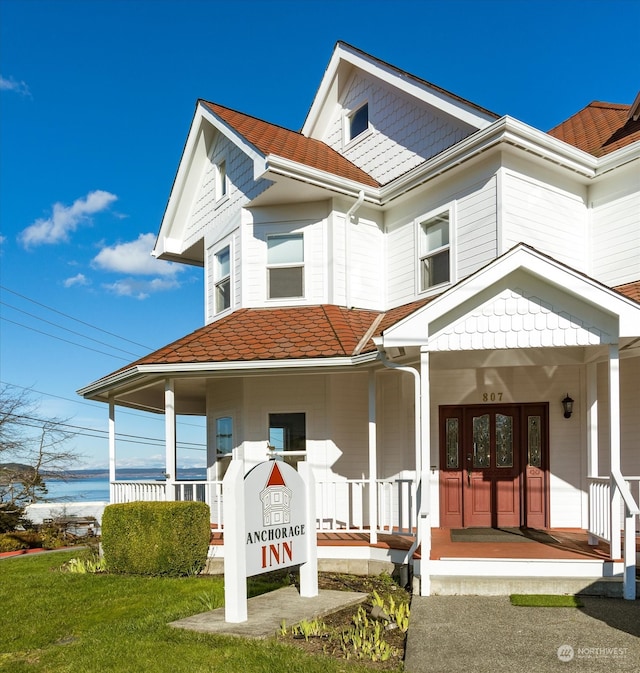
x=73 y=343
x=147 y=417
x=82 y=322
x=66 y=329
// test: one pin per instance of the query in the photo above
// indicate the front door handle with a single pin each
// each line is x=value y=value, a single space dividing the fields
x=469 y=470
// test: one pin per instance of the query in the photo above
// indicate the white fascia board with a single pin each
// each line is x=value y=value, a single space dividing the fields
x=202 y=114
x=240 y=141
x=618 y=158
x=344 y=56
x=102 y=386
x=279 y=166
x=414 y=329
x=505 y=130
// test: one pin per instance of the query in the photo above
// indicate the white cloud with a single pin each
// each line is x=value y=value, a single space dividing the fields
x=10 y=84
x=141 y=289
x=135 y=258
x=78 y=279
x=65 y=219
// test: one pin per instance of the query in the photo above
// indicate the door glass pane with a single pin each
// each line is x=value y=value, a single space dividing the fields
x=452 y=443
x=481 y=441
x=534 y=441
x=504 y=441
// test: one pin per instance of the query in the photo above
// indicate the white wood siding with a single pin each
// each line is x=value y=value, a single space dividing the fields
x=404 y=132
x=615 y=240
x=473 y=240
x=267 y=221
x=213 y=217
x=366 y=266
x=550 y=219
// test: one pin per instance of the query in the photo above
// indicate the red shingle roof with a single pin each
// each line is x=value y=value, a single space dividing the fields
x=599 y=128
x=272 y=139
x=259 y=334
x=630 y=290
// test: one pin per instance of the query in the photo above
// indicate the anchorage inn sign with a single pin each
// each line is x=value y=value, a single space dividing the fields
x=275 y=516
x=269 y=524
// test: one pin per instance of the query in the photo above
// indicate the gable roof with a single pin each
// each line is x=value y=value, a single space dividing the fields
x=599 y=128
x=271 y=139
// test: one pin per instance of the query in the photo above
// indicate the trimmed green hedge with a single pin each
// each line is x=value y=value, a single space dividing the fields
x=156 y=538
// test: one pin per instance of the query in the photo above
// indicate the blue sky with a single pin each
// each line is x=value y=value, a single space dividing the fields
x=96 y=98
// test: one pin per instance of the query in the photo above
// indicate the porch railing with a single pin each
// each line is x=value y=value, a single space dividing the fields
x=341 y=506
x=602 y=519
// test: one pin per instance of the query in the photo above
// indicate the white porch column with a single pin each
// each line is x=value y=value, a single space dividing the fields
x=424 y=513
x=170 y=437
x=614 y=446
x=112 y=449
x=592 y=433
x=373 y=461
x=212 y=453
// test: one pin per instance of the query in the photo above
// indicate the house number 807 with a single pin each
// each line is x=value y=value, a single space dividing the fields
x=492 y=397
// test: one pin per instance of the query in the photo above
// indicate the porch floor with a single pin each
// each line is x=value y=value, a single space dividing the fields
x=569 y=543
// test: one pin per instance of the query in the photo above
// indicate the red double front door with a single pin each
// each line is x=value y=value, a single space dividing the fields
x=493 y=466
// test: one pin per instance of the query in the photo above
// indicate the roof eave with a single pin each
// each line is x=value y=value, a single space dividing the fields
x=102 y=388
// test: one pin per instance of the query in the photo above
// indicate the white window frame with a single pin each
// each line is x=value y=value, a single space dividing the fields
x=220 y=455
x=220 y=280
x=348 y=138
x=285 y=265
x=422 y=254
x=221 y=187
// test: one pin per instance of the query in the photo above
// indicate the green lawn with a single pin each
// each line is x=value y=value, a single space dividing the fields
x=52 y=622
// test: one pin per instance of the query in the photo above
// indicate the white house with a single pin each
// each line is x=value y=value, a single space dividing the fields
x=403 y=293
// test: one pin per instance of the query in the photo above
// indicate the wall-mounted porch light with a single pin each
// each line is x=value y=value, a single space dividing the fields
x=567 y=405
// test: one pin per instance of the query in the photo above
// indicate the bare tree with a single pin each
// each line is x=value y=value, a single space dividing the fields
x=31 y=450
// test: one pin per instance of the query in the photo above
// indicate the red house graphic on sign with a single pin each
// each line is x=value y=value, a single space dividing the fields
x=276 y=499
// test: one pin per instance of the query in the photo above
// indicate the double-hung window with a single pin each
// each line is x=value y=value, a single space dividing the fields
x=285 y=266
x=434 y=251
x=222 y=276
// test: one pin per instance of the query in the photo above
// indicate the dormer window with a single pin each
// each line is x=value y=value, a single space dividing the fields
x=285 y=266
x=434 y=247
x=222 y=277
x=221 y=180
x=358 y=122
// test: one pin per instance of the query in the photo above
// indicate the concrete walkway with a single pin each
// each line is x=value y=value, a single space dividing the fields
x=267 y=612
x=478 y=634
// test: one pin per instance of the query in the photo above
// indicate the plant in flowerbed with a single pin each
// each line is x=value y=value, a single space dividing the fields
x=373 y=633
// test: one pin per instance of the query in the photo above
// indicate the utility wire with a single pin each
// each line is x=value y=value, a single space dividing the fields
x=66 y=329
x=73 y=343
x=151 y=417
x=82 y=322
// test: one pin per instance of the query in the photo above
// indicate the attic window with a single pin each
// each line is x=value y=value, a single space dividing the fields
x=221 y=180
x=358 y=121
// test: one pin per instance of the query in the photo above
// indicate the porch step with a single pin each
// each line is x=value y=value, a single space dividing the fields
x=447 y=585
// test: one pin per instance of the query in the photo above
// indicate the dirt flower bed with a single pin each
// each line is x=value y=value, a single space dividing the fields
x=367 y=634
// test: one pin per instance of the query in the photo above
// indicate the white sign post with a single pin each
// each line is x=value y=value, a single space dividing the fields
x=269 y=524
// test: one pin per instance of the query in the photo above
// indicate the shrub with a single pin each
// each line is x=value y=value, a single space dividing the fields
x=156 y=538
x=9 y=542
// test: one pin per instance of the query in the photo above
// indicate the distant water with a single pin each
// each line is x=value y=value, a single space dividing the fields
x=93 y=485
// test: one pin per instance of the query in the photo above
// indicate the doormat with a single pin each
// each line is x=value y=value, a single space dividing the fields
x=501 y=535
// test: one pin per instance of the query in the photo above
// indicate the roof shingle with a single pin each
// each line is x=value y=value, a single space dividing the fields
x=272 y=139
x=599 y=128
